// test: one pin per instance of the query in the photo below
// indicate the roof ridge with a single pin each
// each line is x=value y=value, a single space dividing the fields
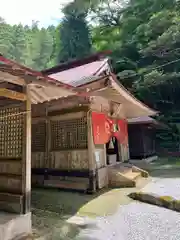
x=75 y=63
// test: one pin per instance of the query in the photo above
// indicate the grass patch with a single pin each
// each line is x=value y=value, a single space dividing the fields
x=166 y=198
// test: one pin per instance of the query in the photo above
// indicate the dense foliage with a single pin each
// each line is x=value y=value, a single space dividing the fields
x=28 y=45
x=144 y=36
x=74 y=34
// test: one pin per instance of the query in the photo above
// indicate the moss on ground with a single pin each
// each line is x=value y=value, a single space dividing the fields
x=162 y=201
x=51 y=209
x=105 y=204
x=166 y=198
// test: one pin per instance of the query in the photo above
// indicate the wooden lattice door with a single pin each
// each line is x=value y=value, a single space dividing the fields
x=68 y=134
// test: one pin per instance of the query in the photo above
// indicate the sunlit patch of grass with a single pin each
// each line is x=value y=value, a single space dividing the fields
x=178 y=163
x=166 y=198
x=105 y=204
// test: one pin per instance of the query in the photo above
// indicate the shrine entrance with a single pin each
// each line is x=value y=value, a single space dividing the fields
x=112 y=151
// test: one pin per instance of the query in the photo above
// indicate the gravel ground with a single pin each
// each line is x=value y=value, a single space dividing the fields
x=164 y=187
x=135 y=221
x=131 y=220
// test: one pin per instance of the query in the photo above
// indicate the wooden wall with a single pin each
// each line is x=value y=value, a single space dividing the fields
x=11 y=162
x=62 y=137
x=60 y=142
x=141 y=141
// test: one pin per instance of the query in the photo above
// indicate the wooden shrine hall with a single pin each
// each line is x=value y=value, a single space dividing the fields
x=20 y=87
x=74 y=141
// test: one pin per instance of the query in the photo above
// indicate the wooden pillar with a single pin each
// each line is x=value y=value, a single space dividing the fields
x=91 y=159
x=26 y=155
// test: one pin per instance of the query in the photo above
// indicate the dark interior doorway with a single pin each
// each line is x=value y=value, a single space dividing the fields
x=112 y=151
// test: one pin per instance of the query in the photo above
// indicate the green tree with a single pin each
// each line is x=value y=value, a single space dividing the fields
x=146 y=52
x=18 y=44
x=74 y=34
x=45 y=49
x=5 y=38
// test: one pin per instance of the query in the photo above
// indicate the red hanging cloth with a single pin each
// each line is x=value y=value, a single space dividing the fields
x=123 y=132
x=101 y=126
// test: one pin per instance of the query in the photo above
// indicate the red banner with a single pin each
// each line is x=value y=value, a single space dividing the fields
x=122 y=134
x=101 y=125
x=104 y=128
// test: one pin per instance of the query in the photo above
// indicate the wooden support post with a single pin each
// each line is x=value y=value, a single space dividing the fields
x=91 y=159
x=48 y=138
x=26 y=155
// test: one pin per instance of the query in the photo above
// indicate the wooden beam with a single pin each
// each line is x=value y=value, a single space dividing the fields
x=8 y=77
x=12 y=94
x=26 y=156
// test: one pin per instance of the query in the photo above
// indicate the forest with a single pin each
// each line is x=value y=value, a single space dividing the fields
x=143 y=36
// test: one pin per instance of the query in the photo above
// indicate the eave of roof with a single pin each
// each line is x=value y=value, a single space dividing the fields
x=142 y=120
x=41 y=88
x=28 y=71
x=132 y=98
x=116 y=92
x=148 y=121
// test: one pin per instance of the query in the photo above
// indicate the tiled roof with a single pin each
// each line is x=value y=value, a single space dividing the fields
x=82 y=74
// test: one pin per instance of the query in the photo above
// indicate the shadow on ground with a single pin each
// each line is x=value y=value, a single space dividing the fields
x=51 y=208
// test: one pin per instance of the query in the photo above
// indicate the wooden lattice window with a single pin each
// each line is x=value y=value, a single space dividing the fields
x=69 y=134
x=39 y=137
x=11 y=132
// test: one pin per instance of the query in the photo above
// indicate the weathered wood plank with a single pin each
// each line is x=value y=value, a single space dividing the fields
x=38 y=159
x=4 y=92
x=68 y=116
x=12 y=203
x=67 y=103
x=75 y=159
x=65 y=184
x=11 y=184
x=11 y=167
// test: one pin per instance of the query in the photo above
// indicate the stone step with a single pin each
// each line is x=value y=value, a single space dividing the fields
x=142 y=182
x=133 y=175
x=122 y=169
